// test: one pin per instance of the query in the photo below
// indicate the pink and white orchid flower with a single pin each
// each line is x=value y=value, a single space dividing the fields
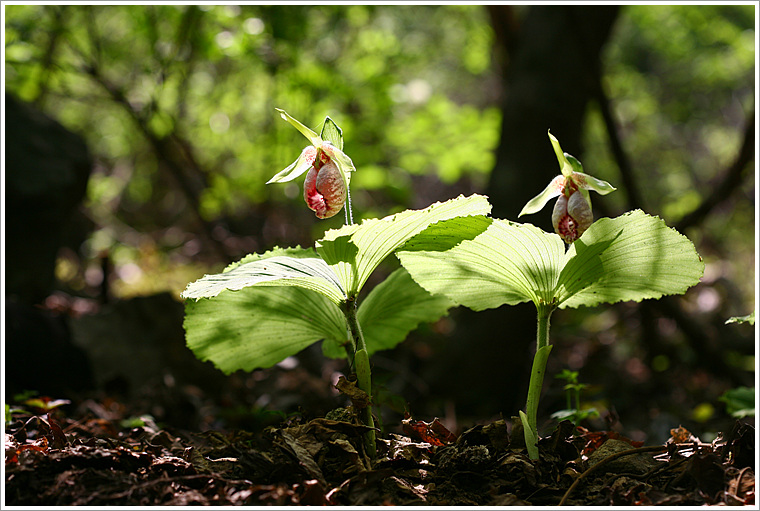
x=572 y=213
x=327 y=168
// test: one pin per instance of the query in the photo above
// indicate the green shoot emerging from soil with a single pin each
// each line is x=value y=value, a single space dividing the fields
x=573 y=388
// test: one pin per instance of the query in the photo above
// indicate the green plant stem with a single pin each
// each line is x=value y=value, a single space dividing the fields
x=363 y=372
x=542 y=333
x=543 y=348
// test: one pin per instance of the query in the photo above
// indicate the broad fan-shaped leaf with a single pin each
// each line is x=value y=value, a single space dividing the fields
x=394 y=308
x=278 y=267
x=258 y=327
x=503 y=263
x=632 y=257
x=354 y=251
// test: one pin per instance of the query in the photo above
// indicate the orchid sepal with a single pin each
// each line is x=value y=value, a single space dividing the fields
x=315 y=139
x=565 y=167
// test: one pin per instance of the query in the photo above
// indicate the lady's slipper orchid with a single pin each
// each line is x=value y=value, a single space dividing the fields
x=328 y=168
x=571 y=216
x=324 y=189
x=572 y=213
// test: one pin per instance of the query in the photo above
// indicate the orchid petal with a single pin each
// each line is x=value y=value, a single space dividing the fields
x=341 y=159
x=587 y=182
x=298 y=167
x=539 y=201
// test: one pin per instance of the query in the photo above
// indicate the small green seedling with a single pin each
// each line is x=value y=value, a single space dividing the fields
x=572 y=411
x=632 y=257
x=269 y=306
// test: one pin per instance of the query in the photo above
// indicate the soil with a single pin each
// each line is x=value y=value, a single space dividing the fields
x=96 y=457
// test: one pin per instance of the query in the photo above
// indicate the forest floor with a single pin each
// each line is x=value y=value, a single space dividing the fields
x=96 y=457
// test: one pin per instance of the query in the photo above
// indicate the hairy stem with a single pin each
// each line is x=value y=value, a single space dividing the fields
x=349 y=211
x=363 y=372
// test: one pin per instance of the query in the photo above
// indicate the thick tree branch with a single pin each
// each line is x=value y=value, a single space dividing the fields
x=732 y=179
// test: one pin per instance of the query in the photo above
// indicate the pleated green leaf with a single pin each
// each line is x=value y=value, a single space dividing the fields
x=278 y=267
x=632 y=257
x=258 y=327
x=499 y=262
x=354 y=251
x=395 y=307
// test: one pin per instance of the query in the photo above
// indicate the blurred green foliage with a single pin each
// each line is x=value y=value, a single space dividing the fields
x=414 y=88
x=681 y=82
x=211 y=77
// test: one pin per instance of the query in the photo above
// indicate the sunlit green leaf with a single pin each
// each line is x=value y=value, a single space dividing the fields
x=631 y=257
x=749 y=318
x=499 y=262
x=354 y=251
x=279 y=267
x=258 y=327
x=396 y=307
